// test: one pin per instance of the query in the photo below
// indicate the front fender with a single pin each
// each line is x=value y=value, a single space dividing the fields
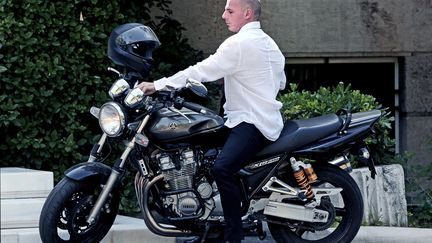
x=88 y=171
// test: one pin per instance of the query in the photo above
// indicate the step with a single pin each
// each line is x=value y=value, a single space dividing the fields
x=20 y=213
x=25 y=183
x=125 y=229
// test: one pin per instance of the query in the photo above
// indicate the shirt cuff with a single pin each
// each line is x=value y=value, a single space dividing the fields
x=160 y=84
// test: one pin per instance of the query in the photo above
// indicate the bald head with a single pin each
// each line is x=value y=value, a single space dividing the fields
x=255 y=5
x=237 y=13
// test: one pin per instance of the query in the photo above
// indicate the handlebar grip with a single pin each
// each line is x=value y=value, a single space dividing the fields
x=194 y=107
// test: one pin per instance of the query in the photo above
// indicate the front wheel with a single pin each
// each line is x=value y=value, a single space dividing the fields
x=345 y=209
x=64 y=214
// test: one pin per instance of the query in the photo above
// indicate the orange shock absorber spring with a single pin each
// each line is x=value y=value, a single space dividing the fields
x=302 y=177
x=303 y=182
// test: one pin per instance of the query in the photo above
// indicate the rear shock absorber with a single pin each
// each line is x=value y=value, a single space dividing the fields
x=304 y=175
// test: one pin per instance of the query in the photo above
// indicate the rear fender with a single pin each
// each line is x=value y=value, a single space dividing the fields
x=365 y=118
x=88 y=171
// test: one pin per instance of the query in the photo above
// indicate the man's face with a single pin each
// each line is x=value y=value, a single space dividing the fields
x=234 y=15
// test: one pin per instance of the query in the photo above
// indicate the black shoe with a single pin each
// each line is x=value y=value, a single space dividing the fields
x=192 y=240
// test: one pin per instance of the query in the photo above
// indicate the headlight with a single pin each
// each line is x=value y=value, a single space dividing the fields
x=112 y=119
x=119 y=88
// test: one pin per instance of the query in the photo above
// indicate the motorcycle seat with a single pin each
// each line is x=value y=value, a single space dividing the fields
x=297 y=133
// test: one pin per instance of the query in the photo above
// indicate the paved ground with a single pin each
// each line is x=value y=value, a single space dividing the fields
x=133 y=230
x=372 y=234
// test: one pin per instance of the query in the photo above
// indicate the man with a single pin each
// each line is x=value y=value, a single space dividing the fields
x=253 y=70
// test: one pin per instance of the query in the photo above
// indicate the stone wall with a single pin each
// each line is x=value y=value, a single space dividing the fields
x=383 y=197
x=416 y=107
x=321 y=27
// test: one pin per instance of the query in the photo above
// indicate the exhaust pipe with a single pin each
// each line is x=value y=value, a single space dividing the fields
x=142 y=187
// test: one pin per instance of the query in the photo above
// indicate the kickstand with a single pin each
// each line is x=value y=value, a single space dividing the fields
x=260 y=231
x=207 y=229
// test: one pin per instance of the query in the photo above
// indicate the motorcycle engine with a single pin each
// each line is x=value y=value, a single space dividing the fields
x=179 y=170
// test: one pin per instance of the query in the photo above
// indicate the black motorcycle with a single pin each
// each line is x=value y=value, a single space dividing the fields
x=299 y=185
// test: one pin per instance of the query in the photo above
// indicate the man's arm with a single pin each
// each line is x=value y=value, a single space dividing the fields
x=215 y=67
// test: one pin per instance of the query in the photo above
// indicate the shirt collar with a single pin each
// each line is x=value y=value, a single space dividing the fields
x=251 y=25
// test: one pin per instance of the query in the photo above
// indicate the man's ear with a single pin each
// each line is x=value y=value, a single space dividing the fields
x=248 y=13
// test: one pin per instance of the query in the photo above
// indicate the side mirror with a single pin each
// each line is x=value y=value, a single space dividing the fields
x=196 y=87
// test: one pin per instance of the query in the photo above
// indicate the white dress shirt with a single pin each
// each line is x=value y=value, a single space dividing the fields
x=253 y=70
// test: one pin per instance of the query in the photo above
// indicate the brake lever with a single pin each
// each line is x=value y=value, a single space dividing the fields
x=173 y=109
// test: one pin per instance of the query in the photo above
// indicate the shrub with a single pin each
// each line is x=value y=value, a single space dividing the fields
x=53 y=69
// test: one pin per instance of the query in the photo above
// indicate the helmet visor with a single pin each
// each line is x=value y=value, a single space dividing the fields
x=136 y=35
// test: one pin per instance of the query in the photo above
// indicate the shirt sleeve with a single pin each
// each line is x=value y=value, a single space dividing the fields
x=222 y=63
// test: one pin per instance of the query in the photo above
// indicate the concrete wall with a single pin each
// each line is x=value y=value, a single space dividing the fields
x=416 y=107
x=324 y=27
x=202 y=19
x=353 y=28
x=341 y=26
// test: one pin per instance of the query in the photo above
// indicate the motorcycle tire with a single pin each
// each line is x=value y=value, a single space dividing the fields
x=63 y=216
x=348 y=219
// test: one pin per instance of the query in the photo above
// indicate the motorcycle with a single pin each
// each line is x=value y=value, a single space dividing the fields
x=299 y=185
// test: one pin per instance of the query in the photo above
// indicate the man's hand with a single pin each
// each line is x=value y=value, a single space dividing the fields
x=147 y=87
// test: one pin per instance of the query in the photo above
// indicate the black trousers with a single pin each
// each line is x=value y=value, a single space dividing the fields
x=243 y=142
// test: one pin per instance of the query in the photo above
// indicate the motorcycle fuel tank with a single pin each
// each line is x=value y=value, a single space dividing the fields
x=168 y=126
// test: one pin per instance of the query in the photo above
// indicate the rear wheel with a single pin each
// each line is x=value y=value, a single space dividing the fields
x=64 y=214
x=345 y=212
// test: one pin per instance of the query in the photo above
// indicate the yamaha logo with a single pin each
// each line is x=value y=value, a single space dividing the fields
x=172 y=126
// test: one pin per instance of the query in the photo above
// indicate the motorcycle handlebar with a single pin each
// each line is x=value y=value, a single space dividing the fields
x=194 y=107
x=179 y=103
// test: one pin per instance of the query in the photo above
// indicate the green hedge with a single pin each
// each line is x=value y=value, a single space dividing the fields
x=53 y=69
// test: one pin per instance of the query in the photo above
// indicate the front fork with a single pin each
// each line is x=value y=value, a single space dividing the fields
x=115 y=172
x=97 y=149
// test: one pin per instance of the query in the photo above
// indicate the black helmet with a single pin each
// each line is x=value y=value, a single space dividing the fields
x=131 y=45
